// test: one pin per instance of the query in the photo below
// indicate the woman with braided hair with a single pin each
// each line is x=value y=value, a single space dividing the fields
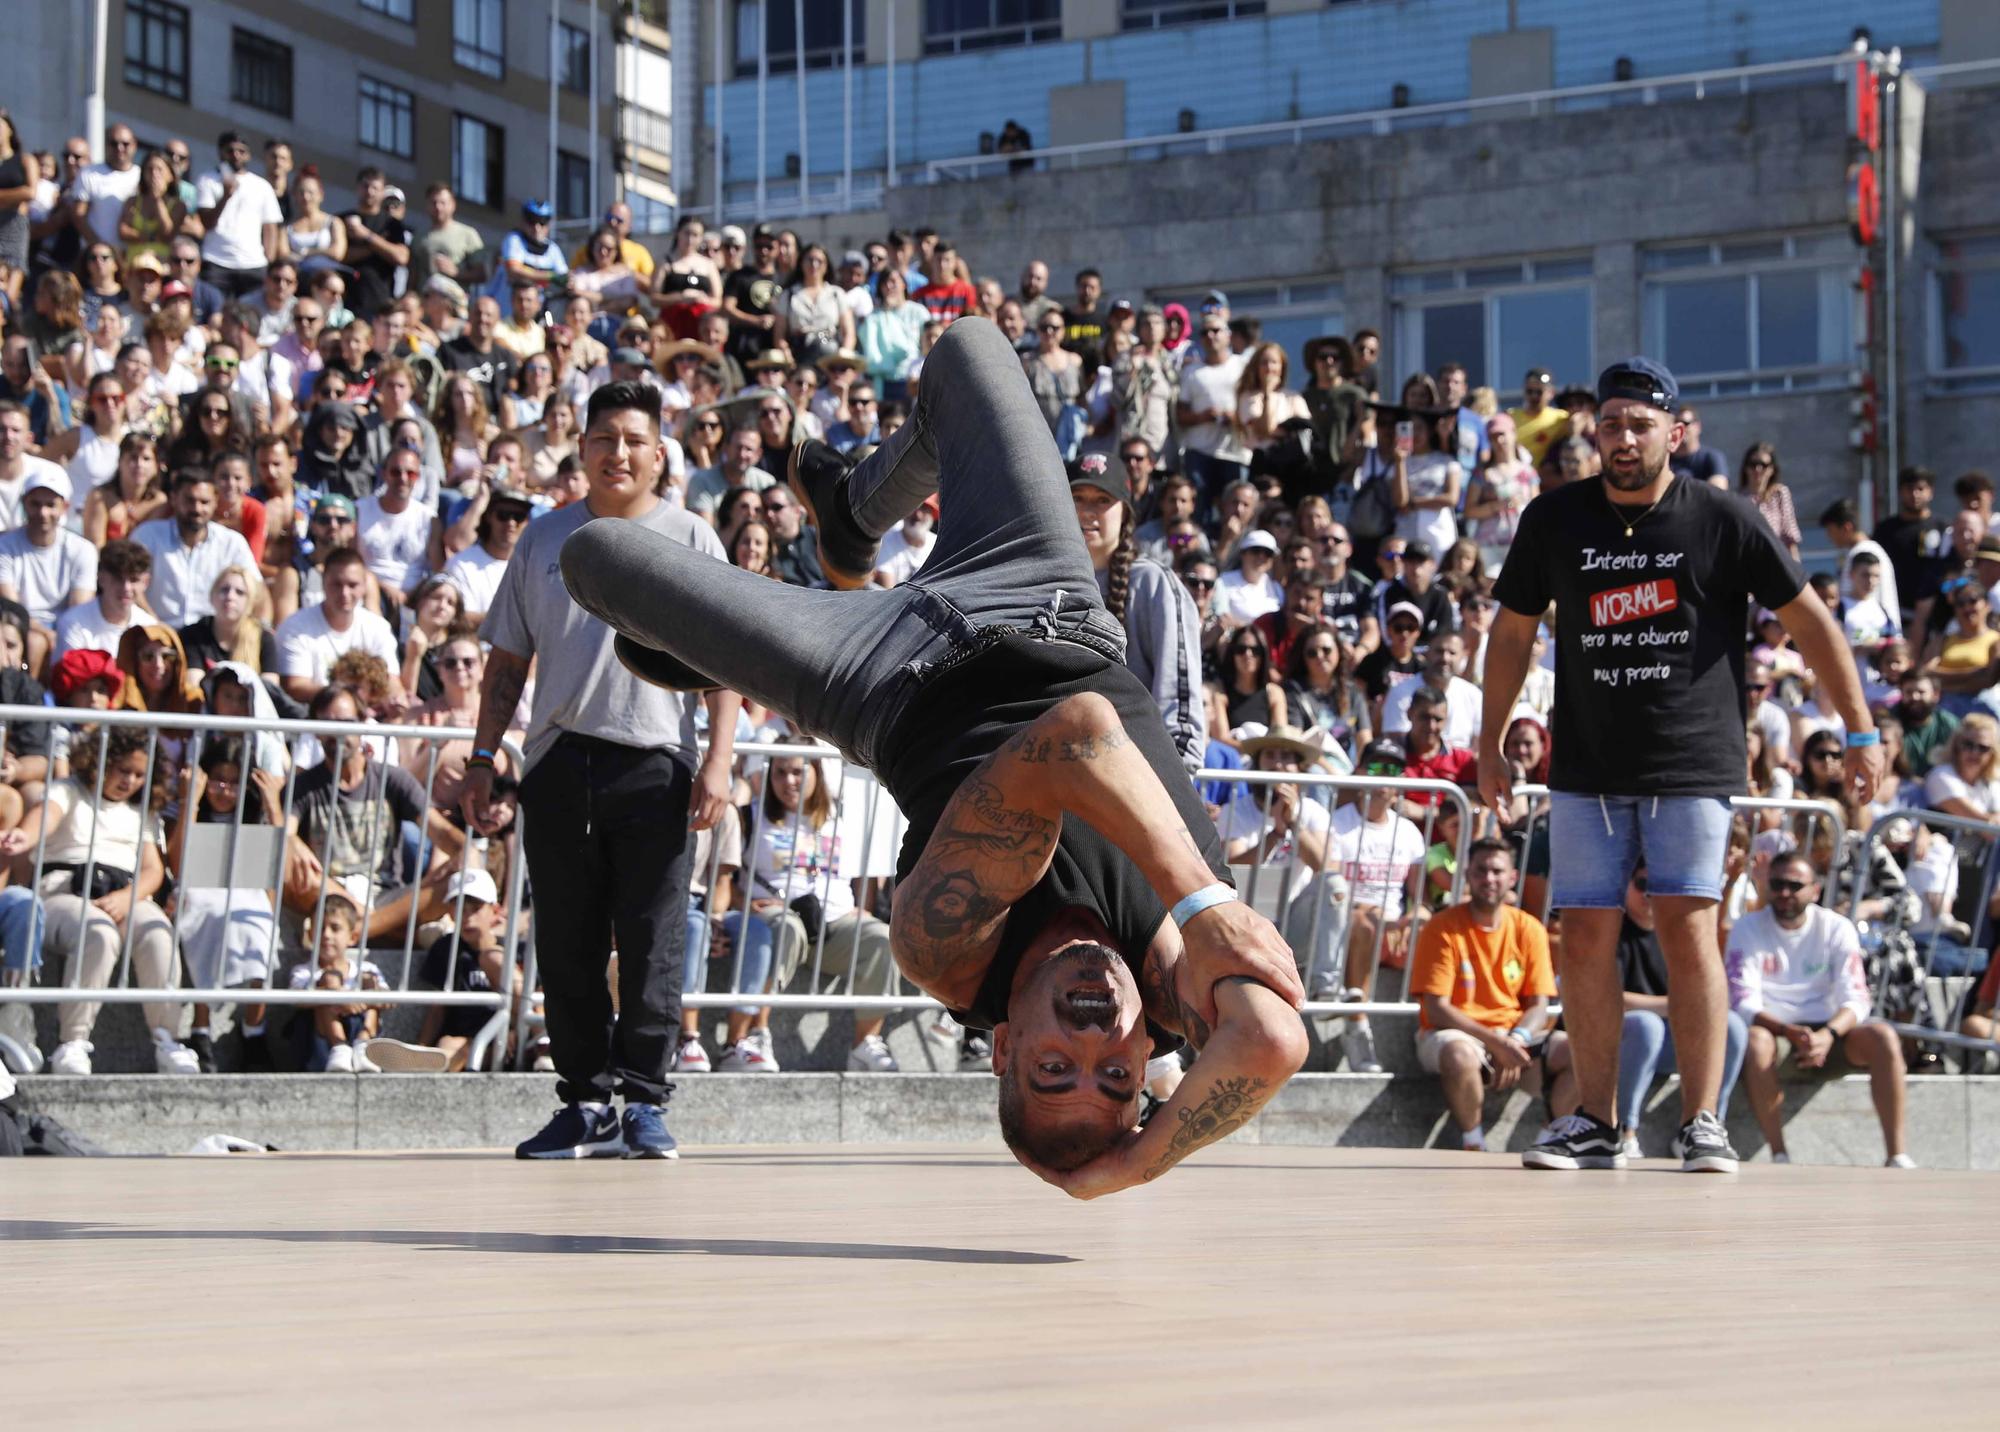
x=1162 y=627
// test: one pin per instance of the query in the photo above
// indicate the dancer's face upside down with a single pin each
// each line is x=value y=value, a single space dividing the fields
x=1071 y=1057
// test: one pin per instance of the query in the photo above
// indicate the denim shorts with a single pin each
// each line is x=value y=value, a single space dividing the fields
x=1596 y=842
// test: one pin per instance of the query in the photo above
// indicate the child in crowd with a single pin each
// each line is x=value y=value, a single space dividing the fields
x=332 y=1038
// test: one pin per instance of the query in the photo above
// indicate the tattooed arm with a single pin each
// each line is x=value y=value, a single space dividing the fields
x=506 y=679
x=1258 y=1045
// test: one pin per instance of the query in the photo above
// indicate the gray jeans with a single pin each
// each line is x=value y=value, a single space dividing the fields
x=844 y=665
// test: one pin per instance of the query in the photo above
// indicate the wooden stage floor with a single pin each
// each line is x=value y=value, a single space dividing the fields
x=926 y=1287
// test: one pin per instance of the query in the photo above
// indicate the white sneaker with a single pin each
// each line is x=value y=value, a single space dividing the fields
x=170 y=1056
x=745 y=1057
x=690 y=1057
x=341 y=1060
x=872 y=1056
x=362 y=1063
x=1630 y=1148
x=1781 y=1158
x=1163 y=1076
x=394 y=1056
x=760 y=1039
x=1900 y=1161
x=1357 y=1042
x=71 y=1057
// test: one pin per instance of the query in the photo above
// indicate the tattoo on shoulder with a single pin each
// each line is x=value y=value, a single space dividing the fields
x=983 y=856
x=1038 y=750
x=1227 y=1107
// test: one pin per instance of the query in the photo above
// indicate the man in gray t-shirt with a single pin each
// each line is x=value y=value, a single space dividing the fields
x=609 y=802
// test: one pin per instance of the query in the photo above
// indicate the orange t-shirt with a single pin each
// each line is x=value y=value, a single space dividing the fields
x=1486 y=974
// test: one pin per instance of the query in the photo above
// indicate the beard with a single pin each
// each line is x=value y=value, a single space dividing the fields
x=1635 y=480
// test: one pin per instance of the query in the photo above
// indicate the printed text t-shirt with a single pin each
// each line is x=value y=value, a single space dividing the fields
x=1649 y=683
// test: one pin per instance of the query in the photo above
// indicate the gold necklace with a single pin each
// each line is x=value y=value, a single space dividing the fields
x=1635 y=521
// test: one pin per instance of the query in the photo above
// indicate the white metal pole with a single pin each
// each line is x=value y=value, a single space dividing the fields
x=1892 y=135
x=555 y=71
x=799 y=62
x=763 y=78
x=717 y=122
x=889 y=168
x=847 y=105
x=93 y=104
x=596 y=159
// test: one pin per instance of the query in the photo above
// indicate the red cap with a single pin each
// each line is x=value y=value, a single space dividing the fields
x=80 y=667
x=175 y=289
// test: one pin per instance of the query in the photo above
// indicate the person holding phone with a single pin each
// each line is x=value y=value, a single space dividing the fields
x=239 y=213
x=1425 y=482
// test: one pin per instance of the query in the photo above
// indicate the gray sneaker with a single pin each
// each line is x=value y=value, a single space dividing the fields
x=1703 y=1145
x=1357 y=1042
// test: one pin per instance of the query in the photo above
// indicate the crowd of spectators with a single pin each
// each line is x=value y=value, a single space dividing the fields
x=260 y=457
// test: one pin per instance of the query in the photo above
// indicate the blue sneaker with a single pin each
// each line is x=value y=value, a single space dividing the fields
x=575 y=1133
x=646 y=1136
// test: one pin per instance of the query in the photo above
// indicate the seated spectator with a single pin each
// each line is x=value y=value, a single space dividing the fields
x=470 y=958
x=902 y=553
x=102 y=865
x=1381 y=854
x=477 y=570
x=302 y=581
x=124 y=571
x=314 y=637
x=461 y=666
x=1415 y=580
x=1964 y=658
x=189 y=550
x=1277 y=826
x=1463 y=701
x=1796 y=973
x=718 y=850
x=43 y=565
x=1397 y=655
x=433 y=614
x=226 y=932
x=1927 y=728
x=393 y=528
x=231 y=632
x=1249 y=589
x=134 y=494
x=332 y=1038
x=1428 y=756
x=1646 y=1047
x=1322 y=691
x=1483 y=982
x=1249 y=693
x=1966 y=779
x=741 y=453
x=1300 y=615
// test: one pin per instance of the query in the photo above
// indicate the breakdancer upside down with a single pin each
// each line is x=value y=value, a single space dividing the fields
x=1052 y=826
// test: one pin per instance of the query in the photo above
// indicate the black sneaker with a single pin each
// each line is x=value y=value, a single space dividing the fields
x=254 y=1055
x=1575 y=1141
x=204 y=1050
x=657 y=668
x=576 y=1133
x=815 y=475
x=1703 y=1145
x=645 y=1129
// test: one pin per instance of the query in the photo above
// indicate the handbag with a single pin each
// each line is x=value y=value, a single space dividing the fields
x=1373 y=515
x=807 y=907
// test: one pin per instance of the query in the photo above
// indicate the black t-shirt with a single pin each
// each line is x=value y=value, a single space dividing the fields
x=1346 y=603
x=492 y=370
x=1917 y=548
x=24 y=738
x=447 y=957
x=1083 y=335
x=1642 y=965
x=969 y=712
x=205 y=653
x=1649 y=669
x=756 y=293
x=374 y=276
x=1440 y=617
x=1377 y=669
x=1700 y=465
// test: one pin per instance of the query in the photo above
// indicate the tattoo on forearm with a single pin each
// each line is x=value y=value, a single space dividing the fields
x=1227 y=1107
x=505 y=682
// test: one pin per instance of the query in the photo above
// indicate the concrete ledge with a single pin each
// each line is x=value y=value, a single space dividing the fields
x=1953 y=1122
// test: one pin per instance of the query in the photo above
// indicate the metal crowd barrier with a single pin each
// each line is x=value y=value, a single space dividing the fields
x=243 y=862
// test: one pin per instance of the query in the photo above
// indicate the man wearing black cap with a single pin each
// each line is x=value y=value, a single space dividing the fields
x=750 y=297
x=1651 y=576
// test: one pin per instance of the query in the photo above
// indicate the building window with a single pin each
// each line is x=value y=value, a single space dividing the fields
x=478 y=161
x=649 y=215
x=156 y=47
x=1965 y=313
x=479 y=36
x=1752 y=316
x=777 y=20
x=388 y=119
x=951 y=26
x=1499 y=320
x=573 y=57
x=1290 y=314
x=1152 y=14
x=403 y=10
x=572 y=196
x=260 y=72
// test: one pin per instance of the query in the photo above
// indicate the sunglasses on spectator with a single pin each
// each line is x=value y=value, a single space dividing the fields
x=1757 y=686
x=1202 y=582
x=221 y=412
x=509 y=514
x=1823 y=753
x=1050 y=327
x=1392 y=554
x=1787 y=887
x=458 y=663
x=1180 y=539
x=711 y=424
x=1381 y=768
x=1322 y=651
x=1247 y=649
x=186 y=258
x=1214 y=332
x=1976 y=747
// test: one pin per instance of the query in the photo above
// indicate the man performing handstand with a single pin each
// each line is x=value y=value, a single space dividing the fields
x=1053 y=830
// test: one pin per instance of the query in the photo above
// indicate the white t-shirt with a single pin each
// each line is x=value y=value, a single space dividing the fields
x=106 y=189
x=95 y=463
x=1775 y=727
x=84 y=627
x=476 y=573
x=182 y=575
x=259 y=377
x=393 y=543
x=1211 y=387
x=1464 y=711
x=1237 y=596
x=1376 y=859
x=796 y=860
x=1802 y=976
x=309 y=646
x=118 y=828
x=236 y=239
x=901 y=558
x=1943 y=784
x=14 y=488
x=1430 y=474
x=43 y=577
x=1870 y=621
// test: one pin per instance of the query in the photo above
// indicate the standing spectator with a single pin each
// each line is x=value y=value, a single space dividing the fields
x=20 y=178
x=1537 y=422
x=609 y=795
x=479 y=355
x=378 y=244
x=1413 y=581
x=239 y=211
x=750 y=298
x=1035 y=298
x=1927 y=727
x=1083 y=323
x=124 y=569
x=1211 y=453
x=1143 y=384
x=315 y=636
x=1055 y=376
x=949 y=295
x=1796 y=972
x=189 y=550
x=890 y=336
x=313 y=238
x=154 y=213
x=449 y=248
x=814 y=322
x=1763 y=486
x=1425 y=484
x=478 y=570
x=1691 y=459
x=1841 y=522
x=1263 y=404
x=1500 y=493
x=1483 y=982
x=688 y=285
x=99 y=194
x=1646 y=1045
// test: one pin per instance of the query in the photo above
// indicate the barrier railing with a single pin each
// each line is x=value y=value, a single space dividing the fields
x=244 y=864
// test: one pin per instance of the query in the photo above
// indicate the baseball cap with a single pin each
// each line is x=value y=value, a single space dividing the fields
x=1382 y=753
x=393 y=195
x=1257 y=541
x=1407 y=609
x=175 y=289
x=1092 y=470
x=78 y=668
x=473 y=885
x=855 y=257
x=1639 y=380
x=48 y=477
x=731 y=236
x=536 y=209
x=499 y=493
x=1214 y=298
x=761 y=233
x=1122 y=303
x=336 y=503
x=631 y=357
x=1418 y=550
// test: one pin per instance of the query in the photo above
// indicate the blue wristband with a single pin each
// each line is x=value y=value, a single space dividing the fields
x=1189 y=906
x=1863 y=738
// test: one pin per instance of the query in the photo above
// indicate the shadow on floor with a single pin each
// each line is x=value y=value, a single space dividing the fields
x=57 y=1231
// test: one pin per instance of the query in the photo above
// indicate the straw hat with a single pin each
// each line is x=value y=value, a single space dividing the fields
x=1286 y=738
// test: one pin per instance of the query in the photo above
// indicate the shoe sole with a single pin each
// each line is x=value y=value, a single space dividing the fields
x=1709 y=1163
x=397 y=1058
x=581 y=1151
x=839 y=580
x=654 y=1154
x=1563 y=1163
